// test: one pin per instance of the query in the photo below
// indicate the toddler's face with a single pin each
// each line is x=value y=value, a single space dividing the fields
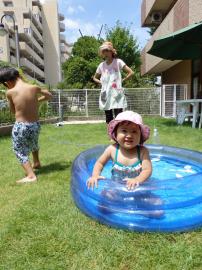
x=128 y=135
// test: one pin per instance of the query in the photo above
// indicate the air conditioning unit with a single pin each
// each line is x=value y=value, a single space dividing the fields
x=156 y=17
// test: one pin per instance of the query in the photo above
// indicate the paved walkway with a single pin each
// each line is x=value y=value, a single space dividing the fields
x=77 y=122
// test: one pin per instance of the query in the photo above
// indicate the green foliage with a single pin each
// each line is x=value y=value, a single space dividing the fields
x=78 y=71
x=5 y=64
x=139 y=81
x=81 y=66
x=86 y=47
x=42 y=229
x=128 y=50
x=125 y=44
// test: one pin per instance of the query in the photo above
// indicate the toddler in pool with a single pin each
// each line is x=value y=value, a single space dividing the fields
x=131 y=161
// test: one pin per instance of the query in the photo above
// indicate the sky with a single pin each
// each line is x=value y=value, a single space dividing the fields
x=90 y=15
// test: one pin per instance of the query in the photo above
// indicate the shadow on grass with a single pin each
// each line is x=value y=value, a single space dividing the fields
x=54 y=167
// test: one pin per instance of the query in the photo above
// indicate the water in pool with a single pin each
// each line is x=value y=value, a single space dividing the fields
x=164 y=168
x=171 y=200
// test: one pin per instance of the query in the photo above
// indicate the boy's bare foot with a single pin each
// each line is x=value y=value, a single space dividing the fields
x=36 y=166
x=26 y=180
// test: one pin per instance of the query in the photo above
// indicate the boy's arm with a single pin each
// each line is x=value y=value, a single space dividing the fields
x=145 y=173
x=10 y=101
x=45 y=95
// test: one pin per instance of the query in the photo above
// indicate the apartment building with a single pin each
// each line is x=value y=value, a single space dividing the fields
x=42 y=45
x=66 y=49
x=166 y=17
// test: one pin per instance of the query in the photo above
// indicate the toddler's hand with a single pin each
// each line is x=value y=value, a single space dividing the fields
x=93 y=181
x=131 y=183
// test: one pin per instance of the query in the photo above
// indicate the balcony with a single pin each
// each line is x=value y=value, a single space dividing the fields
x=12 y=43
x=180 y=16
x=150 y=63
x=66 y=50
x=69 y=49
x=62 y=38
x=36 y=3
x=63 y=59
x=62 y=27
x=31 y=78
x=33 y=15
x=150 y=6
x=61 y=17
x=29 y=53
x=31 y=67
x=28 y=24
x=37 y=22
x=36 y=10
x=63 y=49
x=28 y=38
x=37 y=34
x=13 y=60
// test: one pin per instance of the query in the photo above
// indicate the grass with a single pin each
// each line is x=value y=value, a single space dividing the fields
x=41 y=228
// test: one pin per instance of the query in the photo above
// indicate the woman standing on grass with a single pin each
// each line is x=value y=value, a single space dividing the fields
x=112 y=98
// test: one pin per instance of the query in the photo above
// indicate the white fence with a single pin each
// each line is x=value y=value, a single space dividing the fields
x=85 y=102
x=170 y=94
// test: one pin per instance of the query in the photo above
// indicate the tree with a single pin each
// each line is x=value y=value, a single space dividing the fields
x=128 y=50
x=86 y=47
x=125 y=43
x=80 y=67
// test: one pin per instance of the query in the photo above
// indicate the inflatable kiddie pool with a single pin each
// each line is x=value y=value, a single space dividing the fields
x=170 y=201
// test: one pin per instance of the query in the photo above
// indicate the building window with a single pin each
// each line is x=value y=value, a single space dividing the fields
x=37 y=17
x=28 y=31
x=8 y=3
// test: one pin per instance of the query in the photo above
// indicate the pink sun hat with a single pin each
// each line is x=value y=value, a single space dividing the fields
x=129 y=116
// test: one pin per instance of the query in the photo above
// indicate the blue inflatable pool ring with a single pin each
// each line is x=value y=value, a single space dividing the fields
x=170 y=201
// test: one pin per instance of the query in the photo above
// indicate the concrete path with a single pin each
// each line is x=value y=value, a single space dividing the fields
x=77 y=122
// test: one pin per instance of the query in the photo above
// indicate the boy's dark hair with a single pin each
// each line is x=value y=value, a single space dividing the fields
x=8 y=74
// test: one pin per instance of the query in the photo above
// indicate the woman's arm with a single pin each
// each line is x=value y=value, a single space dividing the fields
x=129 y=72
x=145 y=173
x=93 y=180
x=96 y=78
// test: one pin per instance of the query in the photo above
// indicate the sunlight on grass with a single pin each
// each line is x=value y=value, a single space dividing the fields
x=41 y=228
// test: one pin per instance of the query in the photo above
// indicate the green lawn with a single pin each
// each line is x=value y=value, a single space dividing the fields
x=41 y=228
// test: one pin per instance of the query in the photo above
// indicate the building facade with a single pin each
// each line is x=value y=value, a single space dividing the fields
x=166 y=17
x=42 y=45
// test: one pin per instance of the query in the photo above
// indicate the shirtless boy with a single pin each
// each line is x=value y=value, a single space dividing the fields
x=23 y=100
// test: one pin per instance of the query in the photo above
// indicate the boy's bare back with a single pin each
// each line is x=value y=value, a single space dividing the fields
x=23 y=99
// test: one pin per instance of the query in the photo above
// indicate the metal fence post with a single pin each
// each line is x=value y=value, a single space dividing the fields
x=174 y=104
x=59 y=105
x=86 y=102
x=160 y=97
